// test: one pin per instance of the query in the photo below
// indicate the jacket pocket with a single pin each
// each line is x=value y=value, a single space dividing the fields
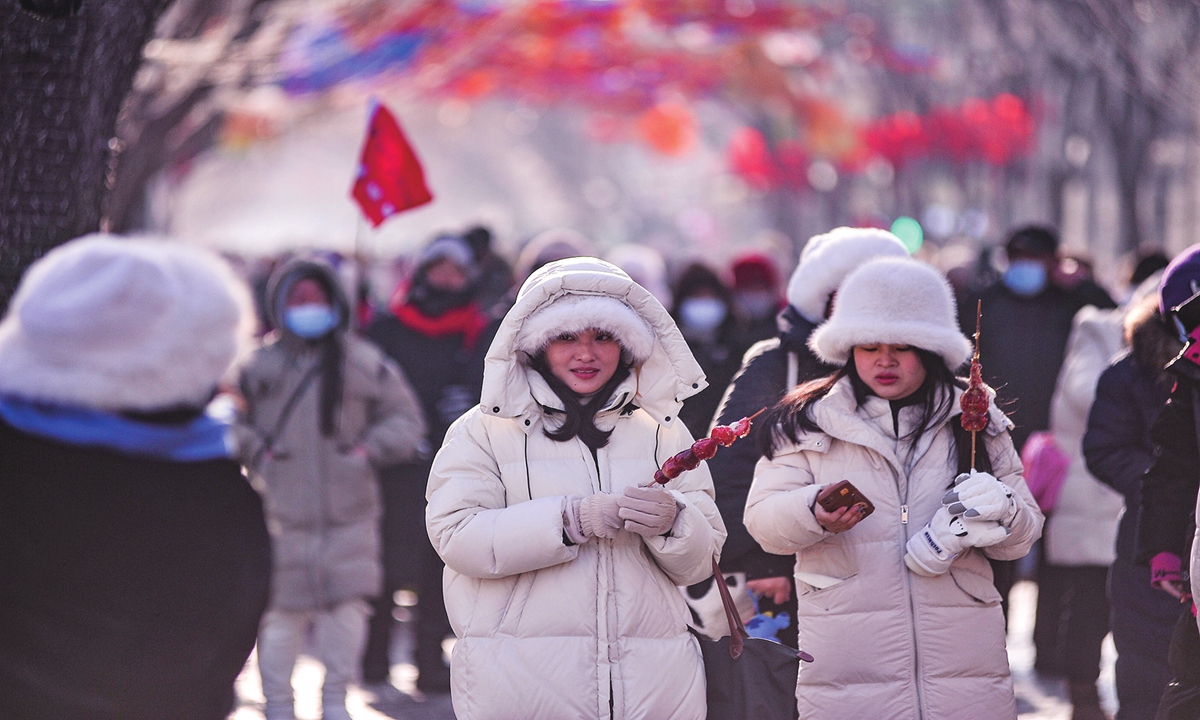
x=353 y=490
x=811 y=600
x=978 y=587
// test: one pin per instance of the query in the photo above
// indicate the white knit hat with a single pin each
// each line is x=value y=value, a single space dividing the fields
x=115 y=324
x=893 y=301
x=828 y=258
x=578 y=312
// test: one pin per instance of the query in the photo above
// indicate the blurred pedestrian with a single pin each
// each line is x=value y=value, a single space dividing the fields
x=645 y=266
x=704 y=313
x=437 y=334
x=495 y=274
x=1167 y=526
x=897 y=606
x=757 y=296
x=1027 y=316
x=550 y=245
x=772 y=368
x=323 y=410
x=134 y=558
x=1118 y=449
x=560 y=567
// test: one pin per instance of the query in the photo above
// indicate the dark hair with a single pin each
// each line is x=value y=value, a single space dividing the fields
x=1032 y=239
x=792 y=415
x=580 y=417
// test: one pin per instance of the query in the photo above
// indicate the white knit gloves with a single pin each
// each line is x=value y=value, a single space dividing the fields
x=976 y=513
x=646 y=511
x=980 y=496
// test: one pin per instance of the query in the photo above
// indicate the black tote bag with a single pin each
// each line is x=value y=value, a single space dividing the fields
x=748 y=678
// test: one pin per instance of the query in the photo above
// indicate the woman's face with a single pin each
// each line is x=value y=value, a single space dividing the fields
x=585 y=360
x=893 y=372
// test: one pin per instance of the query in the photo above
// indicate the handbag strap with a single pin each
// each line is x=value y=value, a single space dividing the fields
x=737 y=630
x=281 y=421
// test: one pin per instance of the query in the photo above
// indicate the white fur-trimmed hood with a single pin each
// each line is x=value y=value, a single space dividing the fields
x=120 y=324
x=826 y=261
x=894 y=301
x=576 y=294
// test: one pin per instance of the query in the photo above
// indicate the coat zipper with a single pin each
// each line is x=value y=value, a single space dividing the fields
x=912 y=610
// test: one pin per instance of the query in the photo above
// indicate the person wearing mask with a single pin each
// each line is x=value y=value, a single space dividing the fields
x=755 y=297
x=134 y=557
x=561 y=564
x=1167 y=525
x=898 y=606
x=1118 y=449
x=437 y=334
x=323 y=410
x=769 y=370
x=1027 y=317
x=703 y=312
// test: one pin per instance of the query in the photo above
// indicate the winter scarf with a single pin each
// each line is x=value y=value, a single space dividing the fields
x=204 y=438
x=465 y=319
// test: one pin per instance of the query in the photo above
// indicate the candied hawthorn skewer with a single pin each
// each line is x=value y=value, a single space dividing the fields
x=974 y=401
x=703 y=449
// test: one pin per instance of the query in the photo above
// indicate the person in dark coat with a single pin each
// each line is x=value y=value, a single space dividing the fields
x=438 y=336
x=1118 y=450
x=756 y=298
x=703 y=310
x=1027 y=316
x=1167 y=523
x=134 y=557
x=769 y=370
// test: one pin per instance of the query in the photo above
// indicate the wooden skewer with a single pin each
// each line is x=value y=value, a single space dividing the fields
x=975 y=359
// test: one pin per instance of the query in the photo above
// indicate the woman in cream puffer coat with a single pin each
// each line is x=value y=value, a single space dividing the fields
x=560 y=589
x=898 y=608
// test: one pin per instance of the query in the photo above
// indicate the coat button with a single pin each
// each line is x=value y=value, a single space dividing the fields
x=667 y=418
x=496 y=409
x=526 y=423
x=695 y=385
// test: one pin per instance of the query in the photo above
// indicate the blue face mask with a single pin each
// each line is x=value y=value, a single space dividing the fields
x=1025 y=277
x=310 y=321
x=702 y=314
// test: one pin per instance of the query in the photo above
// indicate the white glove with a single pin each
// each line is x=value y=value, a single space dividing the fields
x=598 y=516
x=980 y=496
x=933 y=549
x=649 y=512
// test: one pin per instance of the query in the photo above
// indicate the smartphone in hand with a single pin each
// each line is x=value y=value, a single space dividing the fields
x=843 y=494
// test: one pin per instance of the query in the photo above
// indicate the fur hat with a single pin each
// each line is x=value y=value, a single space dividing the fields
x=894 y=301
x=576 y=313
x=828 y=258
x=115 y=324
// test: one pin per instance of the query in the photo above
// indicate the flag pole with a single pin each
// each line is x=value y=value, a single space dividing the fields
x=360 y=270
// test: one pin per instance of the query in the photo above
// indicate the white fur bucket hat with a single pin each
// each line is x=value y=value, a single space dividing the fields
x=893 y=301
x=115 y=324
x=828 y=258
x=576 y=313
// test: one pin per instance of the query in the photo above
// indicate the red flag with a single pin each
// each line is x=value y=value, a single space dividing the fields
x=389 y=177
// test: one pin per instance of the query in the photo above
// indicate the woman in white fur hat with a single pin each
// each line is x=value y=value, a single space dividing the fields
x=561 y=570
x=898 y=607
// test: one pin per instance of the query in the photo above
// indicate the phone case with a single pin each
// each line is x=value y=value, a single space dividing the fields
x=843 y=494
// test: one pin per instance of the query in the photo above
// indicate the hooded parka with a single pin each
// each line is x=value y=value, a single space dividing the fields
x=548 y=629
x=889 y=644
x=322 y=497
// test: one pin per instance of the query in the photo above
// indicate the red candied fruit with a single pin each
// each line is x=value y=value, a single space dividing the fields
x=672 y=468
x=705 y=448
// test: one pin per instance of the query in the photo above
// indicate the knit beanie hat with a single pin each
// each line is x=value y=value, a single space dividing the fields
x=1180 y=280
x=449 y=247
x=893 y=301
x=754 y=270
x=828 y=258
x=115 y=324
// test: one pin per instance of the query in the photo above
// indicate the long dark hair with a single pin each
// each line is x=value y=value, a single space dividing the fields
x=580 y=417
x=792 y=415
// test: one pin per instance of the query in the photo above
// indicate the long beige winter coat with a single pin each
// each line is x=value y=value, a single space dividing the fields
x=555 y=631
x=321 y=497
x=889 y=644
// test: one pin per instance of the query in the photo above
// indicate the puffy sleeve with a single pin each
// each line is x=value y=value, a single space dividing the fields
x=685 y=552
x=779 y=505
x=1027 y=526
x=397 y=424
x=469 y=522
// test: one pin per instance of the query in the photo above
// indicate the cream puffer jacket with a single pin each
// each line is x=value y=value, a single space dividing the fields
x=557 y=631
x=889 y=644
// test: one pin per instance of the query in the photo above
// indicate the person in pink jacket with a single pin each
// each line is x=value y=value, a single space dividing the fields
x=897 y=605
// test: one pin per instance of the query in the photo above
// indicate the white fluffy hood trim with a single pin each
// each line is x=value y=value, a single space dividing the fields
x=117 y=324
x=576 y=294
x=901 y=302
x=576 y=313
x=826 y=261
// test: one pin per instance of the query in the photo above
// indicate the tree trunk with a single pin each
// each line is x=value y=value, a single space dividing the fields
x=64 y=72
